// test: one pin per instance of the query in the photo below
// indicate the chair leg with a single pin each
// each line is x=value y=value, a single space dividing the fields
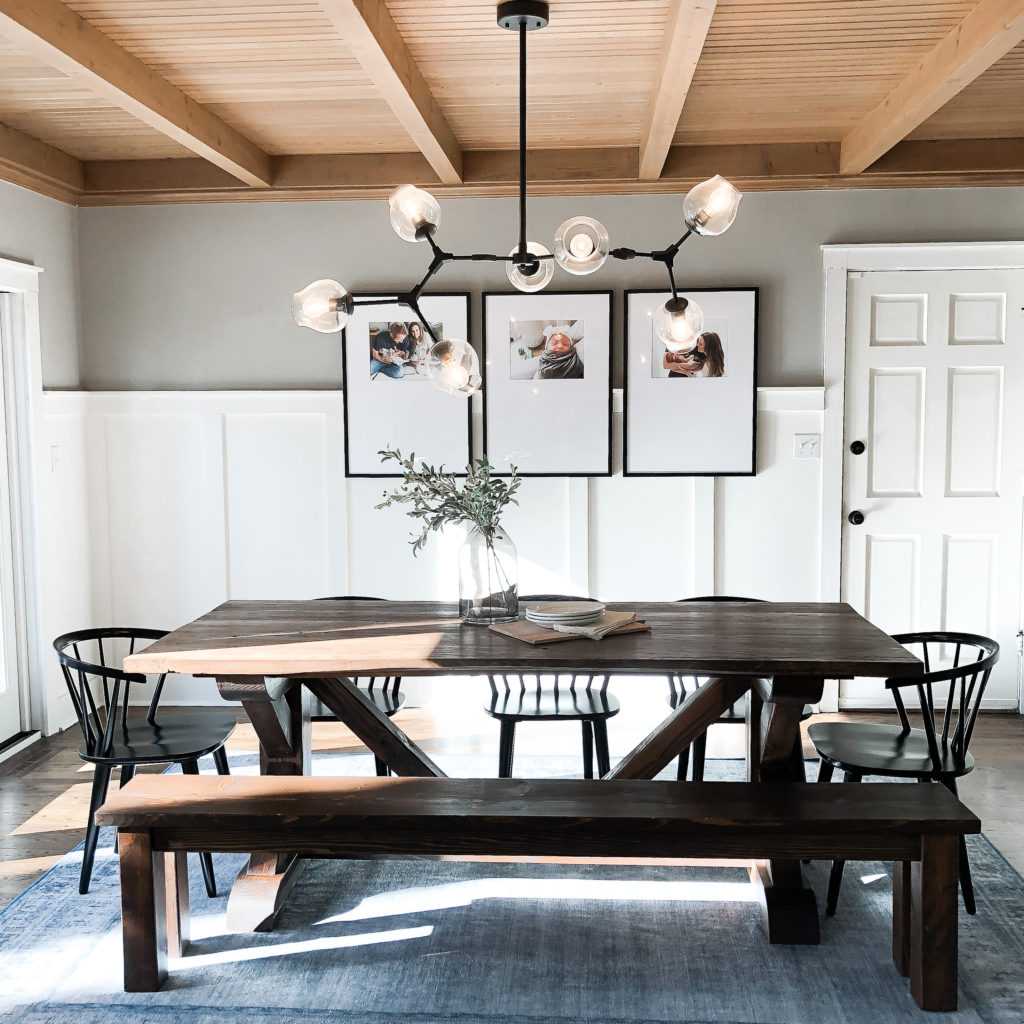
x=127 y=774
x=825 y=771
x=966 y=882
x=588 y=750
x=506 y=745
x=835 y=876
x=601 y=744
x=700 y=747
x=382 y=768
x=682 y=764
x=191 y=767
x=100 y=782
x=220 y=759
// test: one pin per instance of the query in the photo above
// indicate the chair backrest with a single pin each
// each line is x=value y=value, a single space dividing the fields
x=100 y=690
x=510 y=680
x=680 y=684
x=390 y=683
x=961 y=661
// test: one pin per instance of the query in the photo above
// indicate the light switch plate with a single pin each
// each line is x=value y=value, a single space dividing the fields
x=807 y=446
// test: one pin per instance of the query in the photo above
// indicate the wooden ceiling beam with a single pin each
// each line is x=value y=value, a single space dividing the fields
x=684 y=41
x=989 y=32
x=370 y=32
x=33 y=164
x=56 y=34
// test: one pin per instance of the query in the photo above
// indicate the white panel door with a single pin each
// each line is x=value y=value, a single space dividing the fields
x=10 y=700
x=935 y=394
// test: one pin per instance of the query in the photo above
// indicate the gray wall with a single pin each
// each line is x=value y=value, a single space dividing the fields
x=43 y=231
x=196 y=297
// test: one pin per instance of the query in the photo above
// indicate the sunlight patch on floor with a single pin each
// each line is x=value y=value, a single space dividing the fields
x=66 y=811
x=461 y=894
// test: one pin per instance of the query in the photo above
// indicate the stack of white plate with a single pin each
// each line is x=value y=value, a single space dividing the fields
x=569 y=613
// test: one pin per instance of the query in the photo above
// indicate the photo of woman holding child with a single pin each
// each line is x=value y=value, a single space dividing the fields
x=706 y=360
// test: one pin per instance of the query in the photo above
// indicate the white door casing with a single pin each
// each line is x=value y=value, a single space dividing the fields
x=934 y=389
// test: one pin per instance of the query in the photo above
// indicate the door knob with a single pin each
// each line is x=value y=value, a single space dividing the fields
x=857 y=447
x=856 y=517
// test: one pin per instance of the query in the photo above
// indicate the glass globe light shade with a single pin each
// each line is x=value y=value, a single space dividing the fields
x=414 y=213
x=531 y=282
x=453 y=367
x=710 y=207
x=323 y=306
x=581 y=245
x=678 y=324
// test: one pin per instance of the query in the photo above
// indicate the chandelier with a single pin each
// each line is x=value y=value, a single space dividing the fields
x=581 y=246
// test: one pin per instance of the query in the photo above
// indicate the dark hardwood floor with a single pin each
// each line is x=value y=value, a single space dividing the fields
x=44 y=790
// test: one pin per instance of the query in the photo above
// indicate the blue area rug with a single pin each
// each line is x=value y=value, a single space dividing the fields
x=381 y=942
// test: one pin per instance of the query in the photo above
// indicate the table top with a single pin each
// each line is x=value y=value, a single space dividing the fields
x=350 y=638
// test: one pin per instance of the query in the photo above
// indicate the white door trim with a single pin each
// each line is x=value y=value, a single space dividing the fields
x=21 y=281
x=838 y=261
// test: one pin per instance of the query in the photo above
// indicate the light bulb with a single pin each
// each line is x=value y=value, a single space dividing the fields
x=581 y=245
x=678 y=324
x=323 y=306
x=452 y=366
x=414 y=213
x=535 y=281
x=710 y=207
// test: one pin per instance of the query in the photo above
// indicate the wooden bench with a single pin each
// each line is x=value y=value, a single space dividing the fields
x=917 y=827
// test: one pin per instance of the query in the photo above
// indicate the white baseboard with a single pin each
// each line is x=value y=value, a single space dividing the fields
x=17 y=748
x=873 y=704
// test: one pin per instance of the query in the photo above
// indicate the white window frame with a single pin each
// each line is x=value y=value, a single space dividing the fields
x=23 y=365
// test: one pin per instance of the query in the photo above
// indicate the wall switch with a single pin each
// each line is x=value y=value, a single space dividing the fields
x=807 y=446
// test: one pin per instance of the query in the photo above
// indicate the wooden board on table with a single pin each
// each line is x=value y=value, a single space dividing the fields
x=531 y=633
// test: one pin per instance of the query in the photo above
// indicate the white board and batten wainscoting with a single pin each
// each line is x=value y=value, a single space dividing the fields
x=160 y=505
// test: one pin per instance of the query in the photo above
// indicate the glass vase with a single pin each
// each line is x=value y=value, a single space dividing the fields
x=488 y=588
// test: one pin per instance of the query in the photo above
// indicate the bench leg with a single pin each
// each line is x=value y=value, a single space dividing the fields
x=143 y=913
x=177 y=910
x=933 y=924
x=901 y=887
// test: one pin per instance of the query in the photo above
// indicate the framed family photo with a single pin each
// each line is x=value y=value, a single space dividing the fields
x=691 y=413
x=389 y=402
x=547 y=382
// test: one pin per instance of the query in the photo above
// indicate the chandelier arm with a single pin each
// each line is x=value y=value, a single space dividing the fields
x=522 y=253
x=376 y=302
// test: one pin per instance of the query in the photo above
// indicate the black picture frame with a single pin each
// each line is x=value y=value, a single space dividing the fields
x=680 y=424
x=498 y=347
x=442 y=405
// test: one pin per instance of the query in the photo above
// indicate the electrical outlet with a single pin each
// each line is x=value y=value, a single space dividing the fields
x=807 y=446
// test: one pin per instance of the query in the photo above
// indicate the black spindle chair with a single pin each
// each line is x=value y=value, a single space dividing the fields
x=100 y=694
x=926 y=754
x=681 y=686
x=384 y=693
x=579 y=697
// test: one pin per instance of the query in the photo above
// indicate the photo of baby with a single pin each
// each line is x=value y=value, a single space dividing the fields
x=546 y=349
x=398 y=350
x=705 y=359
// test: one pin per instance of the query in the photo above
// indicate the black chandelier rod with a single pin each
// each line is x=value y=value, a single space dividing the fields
x=522 y=140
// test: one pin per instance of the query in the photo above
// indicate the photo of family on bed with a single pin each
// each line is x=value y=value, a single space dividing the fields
x=398 y=351
x=705 y=359
x=546 y=349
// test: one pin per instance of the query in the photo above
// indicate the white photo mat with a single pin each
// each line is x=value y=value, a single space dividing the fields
x=699 y=425
x=405 y=412
x=547 y=382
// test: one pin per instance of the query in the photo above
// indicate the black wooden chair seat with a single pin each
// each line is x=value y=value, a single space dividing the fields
x=550 y=706
x=90 y=660
x=883 y=750
x=170 y=739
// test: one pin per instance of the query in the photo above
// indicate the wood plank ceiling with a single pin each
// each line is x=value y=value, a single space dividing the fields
x=107 y=102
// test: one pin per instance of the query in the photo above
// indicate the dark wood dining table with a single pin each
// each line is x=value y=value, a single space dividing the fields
x=272 y=655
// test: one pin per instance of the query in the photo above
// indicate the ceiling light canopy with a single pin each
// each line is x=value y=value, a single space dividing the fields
x=581 y=246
